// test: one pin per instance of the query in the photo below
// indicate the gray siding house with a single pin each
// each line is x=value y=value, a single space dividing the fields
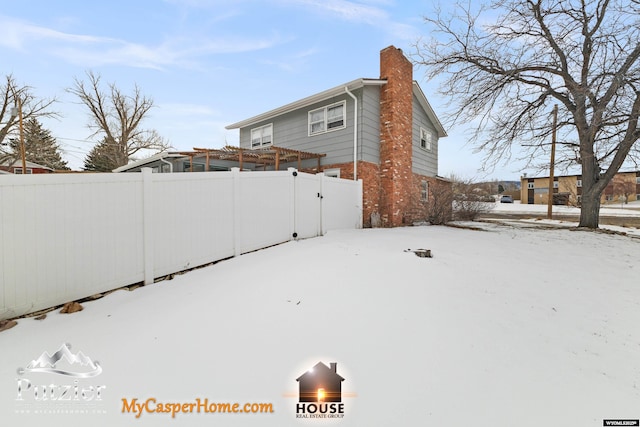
x=381 y=130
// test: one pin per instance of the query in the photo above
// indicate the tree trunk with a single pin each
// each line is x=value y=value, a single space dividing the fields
x=590 y=210
x=591 y=191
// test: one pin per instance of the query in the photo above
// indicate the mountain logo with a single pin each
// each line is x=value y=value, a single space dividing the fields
x=64 y=362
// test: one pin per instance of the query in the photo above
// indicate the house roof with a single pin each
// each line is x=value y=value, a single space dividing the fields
x=18 y=164
x=142 y=162
x=338 y=90
x=422 y=99
x=310 y=100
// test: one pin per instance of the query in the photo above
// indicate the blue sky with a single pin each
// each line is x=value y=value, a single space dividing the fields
x=210 y=63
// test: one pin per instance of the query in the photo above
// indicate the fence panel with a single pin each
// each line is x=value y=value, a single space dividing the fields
x=192 y=220
x=66 y=237
x=307 y=207
x=341 y=204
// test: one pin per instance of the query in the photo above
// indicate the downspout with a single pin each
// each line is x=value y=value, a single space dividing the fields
x=169 y=163
x=355 y=133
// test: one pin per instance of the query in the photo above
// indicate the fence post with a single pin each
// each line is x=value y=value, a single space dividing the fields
x=147 y=224
x=293 y=202
x=321 y=177
x=237 y=229
x=359 y=204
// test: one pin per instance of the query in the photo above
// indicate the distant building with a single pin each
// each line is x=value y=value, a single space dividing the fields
x=567 y=189
x=15 y=167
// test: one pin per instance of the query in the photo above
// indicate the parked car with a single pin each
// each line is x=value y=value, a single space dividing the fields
x=506 y=199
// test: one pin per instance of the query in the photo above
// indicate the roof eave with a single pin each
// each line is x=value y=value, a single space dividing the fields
x=417 y=91
x=142 y=162
x=305 y=102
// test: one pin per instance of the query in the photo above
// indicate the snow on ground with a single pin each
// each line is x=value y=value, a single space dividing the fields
x=507 y=326
x=631 y=209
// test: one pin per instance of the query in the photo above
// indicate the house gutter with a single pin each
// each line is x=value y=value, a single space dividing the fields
x=169 y=163
x=355 y=133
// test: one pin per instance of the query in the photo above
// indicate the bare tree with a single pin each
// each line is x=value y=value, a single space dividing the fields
x=622 y=186
x=439 y=205
x=117 y=118
x=506 y=64
x=15 y=97
x=470 y=200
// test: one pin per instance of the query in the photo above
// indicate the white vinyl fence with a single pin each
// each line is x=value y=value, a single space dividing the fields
x=69 y=236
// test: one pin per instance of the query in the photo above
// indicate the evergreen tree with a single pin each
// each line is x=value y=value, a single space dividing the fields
x=103 y=157
x=39 y=146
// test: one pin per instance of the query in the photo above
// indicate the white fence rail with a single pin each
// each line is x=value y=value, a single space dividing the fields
x=66 y=237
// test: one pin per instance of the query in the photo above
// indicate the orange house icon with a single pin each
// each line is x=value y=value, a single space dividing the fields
x=320 y=384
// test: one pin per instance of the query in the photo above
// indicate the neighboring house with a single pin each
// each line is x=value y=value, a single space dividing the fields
x=15 y=167
x=320 y=384
x=381 y=130
x=223 y=159
x=567 y=190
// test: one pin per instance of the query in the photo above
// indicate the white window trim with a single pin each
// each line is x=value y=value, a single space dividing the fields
x=428 y=140
x=530 y=185
x=556 y=184
x=325 y=119
x=262 y=143
x=579 y=183
x=29 y=171
x=424 y=191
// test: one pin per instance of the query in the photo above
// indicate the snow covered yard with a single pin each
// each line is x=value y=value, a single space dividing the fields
x=511 y=325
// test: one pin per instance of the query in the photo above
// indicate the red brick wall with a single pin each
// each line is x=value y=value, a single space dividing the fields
x=396 y=117
x=391 y=190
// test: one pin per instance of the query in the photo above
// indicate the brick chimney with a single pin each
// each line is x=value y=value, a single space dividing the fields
x=396 y=120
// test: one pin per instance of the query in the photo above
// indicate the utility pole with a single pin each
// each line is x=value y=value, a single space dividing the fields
x=552 y=163
x=18 y=103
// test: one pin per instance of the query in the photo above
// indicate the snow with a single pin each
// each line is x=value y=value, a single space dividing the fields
x=631 y=209
x=512 y=324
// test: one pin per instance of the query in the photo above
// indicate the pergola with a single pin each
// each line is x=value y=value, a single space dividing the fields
x=268 y=156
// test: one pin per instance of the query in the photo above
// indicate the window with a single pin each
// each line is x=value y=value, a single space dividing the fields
x=327 y=118
x=333 y=173
x=197 y=167
x=609 y=197
x=530 y=185
x=18 y=171
x=262 y=136
x=555 y=184
x=637 y=179
x=426 y=138
x=424 y=191
x=579 y=183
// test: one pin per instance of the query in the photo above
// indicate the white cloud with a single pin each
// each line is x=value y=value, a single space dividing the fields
x=90 y=51
x=371 y=12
